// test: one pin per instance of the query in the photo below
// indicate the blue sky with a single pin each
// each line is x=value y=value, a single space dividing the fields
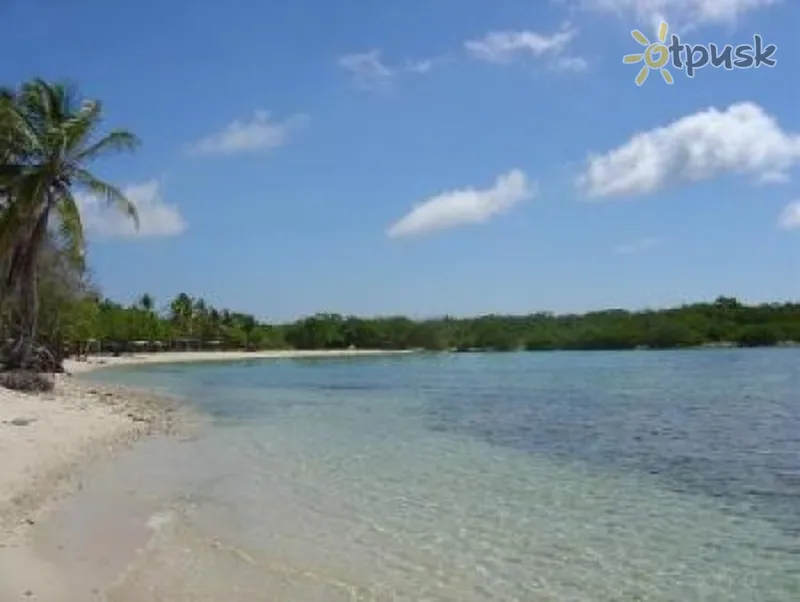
x=285 y=143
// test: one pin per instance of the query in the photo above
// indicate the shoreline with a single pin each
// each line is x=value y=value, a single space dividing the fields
x=42 y=434
x=51 y=442
x=95 y=362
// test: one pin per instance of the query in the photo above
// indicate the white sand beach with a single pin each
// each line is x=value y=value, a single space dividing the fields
x=48 y=440
x=171 y=357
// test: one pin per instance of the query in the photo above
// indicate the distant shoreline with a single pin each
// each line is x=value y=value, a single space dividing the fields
x=97 y=362
x=184 y=357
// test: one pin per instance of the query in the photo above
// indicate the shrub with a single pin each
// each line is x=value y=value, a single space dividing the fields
x=26 y=381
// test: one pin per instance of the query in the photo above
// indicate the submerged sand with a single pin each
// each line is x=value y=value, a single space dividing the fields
x=50 y=442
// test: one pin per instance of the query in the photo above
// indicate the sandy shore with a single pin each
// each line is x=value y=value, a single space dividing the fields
x=42 y=434
x=47 y=441
x=171 y=357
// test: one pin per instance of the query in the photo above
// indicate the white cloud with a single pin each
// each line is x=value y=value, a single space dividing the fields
x=465 y=206
x=570 y=63
x=367 y=69
x=503 y=47
x=741 y=139
x=156 y=218
x=423 y=66
x=242 y=136
x=370 y=72
x=638 y=246
x=679 y=12
x=790 y=216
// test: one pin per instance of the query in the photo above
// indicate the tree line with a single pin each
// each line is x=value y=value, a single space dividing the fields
x=191 y=323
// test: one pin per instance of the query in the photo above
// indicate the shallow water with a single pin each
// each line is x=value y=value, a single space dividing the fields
x=553 y=476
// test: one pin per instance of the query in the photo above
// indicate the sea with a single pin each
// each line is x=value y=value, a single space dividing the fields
x=518 y=477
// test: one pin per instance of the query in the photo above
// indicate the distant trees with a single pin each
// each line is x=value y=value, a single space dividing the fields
x=182 y=313
x=725 y=321
x=147 y=303
x=73 y=315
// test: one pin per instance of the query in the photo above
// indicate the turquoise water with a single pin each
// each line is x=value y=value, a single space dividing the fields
x=552 y=476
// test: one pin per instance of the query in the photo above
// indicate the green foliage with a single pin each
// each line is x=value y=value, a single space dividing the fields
x=194 y=324
x=759 y=335
x=49 y=138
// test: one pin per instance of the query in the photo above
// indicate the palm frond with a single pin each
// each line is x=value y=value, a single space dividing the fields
x=32 y=103
x=112 y=195
x=80 y=126
x=48 y=107
x=19 y=134
x=56 y=101
x=117 y=140
x=70 y=227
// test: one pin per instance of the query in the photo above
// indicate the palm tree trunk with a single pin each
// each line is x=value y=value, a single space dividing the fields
x=21 y=355
x=22 y=351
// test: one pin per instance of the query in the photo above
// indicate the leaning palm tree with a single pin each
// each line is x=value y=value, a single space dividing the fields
x=49 y=138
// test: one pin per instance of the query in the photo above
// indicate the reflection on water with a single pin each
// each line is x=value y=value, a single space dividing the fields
x=564 y=476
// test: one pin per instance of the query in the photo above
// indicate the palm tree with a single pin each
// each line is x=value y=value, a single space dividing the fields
x=200 y=319
x=49 y=137
x=249 y=324
x=214 y=322
x=146 y=302
x=181 y=310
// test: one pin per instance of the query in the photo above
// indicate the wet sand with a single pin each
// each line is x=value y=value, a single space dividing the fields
x=48 y=443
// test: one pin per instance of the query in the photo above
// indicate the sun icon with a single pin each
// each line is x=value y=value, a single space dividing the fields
x=655 y=56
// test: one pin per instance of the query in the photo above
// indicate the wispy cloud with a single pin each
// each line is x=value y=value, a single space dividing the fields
x=369 y=71
x=789 y=218
x=638 y=246
x=570 y=63
x=259 y=133
x=157 y=219
x=741 y=139
x=503 y=47
x=684 y=13
x=465 y=206
x=423 y=66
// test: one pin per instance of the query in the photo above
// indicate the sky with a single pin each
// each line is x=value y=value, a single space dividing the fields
x=430 y=157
